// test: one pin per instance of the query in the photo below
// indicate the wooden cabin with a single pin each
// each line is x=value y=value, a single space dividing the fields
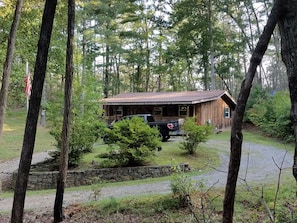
x=208 y=107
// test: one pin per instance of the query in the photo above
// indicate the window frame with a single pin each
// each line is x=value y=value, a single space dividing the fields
x=227 y=112
x=183 y=110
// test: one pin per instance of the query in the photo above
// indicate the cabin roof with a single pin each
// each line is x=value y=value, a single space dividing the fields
x=169 y=98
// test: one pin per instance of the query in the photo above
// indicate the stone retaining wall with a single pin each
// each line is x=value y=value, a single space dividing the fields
x=6 y=181
x=47 y=180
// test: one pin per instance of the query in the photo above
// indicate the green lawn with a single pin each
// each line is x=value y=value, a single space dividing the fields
x=170 y=154
x=13 y=133
x=255 y=136
x=11 y=144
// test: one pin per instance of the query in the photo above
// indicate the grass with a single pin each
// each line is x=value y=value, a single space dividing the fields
x=257 y=137
x=13 y=133
x=170 y=154
x=206 y=206
x=147 y=209
x=11 y=145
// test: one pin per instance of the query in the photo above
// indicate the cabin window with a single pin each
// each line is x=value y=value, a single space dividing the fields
x=120 y=110
x=158 y=111
x=170 y=110
x=183 y=110
x=227 y=112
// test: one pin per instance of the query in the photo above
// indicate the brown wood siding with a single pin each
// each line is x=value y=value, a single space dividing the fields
x=212 y=113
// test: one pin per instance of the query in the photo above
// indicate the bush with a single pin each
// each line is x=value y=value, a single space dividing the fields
x=258 y=95
x=182 y=187
x=87 y=123
x=272 y=115
x=131 y=143
x=195 y=134
x=83 y=134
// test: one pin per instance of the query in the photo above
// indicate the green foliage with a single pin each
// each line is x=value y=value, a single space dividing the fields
x=182 y=187
x=87 y=123
x=195 y=134
x=168 y=42
x=258 y=95
x=112 y=205
x=272 y=115
x=84 y=133
x=26 y=47
x=131 y=142
x=97 y=189
x=16 y=96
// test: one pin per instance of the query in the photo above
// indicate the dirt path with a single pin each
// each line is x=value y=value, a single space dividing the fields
x=258 y=165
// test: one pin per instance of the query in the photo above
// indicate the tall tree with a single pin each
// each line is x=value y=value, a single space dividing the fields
x=192 y=24
x=33 y=112
x=288 y=31
x=8 y=62
x=61 y=181
x=236 y=129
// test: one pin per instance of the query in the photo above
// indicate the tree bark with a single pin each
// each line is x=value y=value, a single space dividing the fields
x=61 y=182
x=106 y=72
x=236 y=129
x=8 y=63
x=288 y=31
x=32 y=116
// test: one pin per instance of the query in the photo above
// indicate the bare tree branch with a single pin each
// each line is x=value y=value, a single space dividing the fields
x=279 y=180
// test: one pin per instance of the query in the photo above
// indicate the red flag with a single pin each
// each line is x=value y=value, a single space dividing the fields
x=28 y=86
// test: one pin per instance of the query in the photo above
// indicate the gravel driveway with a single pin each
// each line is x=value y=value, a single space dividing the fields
x=258 y=165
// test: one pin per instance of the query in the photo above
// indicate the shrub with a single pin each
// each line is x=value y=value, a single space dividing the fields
x=195 y=134
x=131 y=142
x=87 y=123
x=258 y=95
x=182 y=187
x=83 y=134
x=273 y=116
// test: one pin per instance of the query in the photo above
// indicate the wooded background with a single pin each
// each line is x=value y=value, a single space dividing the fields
x=168 y=45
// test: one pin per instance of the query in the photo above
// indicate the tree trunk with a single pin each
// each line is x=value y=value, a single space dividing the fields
x=211 y=49
x=8 y=62
x=33 y=112
x=106 y=73
x=236 y=130
x=288 y=31
x=61 y=182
